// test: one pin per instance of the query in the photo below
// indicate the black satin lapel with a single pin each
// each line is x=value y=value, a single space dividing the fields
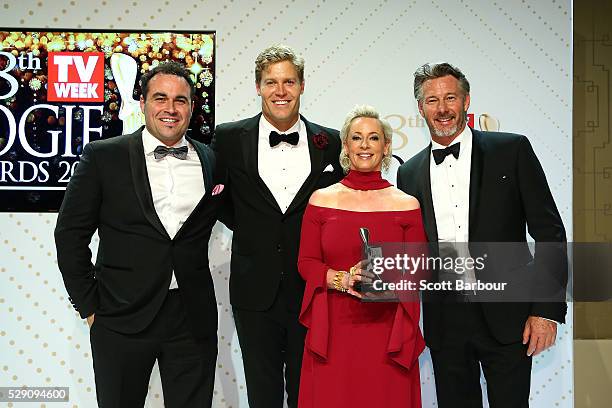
x=141 y=182
x=249 y=138
x=316 y=154
x=207 y=166
x=249 y=148
x=429 y=215
x=475 y=178
x=316 y=167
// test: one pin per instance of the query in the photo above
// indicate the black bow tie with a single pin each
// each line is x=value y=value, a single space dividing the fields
x=162 y=151
x=440 y=154
x=276 y=138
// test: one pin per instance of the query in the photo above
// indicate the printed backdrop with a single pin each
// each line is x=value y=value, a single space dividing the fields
x=516 y=54
x=59 y=90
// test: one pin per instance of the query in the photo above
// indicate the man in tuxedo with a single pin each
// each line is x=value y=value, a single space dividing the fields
x=274 y=160
x=482 y=187
x=149 y=296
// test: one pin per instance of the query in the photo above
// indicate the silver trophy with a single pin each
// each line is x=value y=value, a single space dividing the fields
x=369 y=253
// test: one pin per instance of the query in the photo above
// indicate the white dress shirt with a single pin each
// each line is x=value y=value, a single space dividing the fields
x=450 y=190
x=177 y=186
x=284 y=167
x=450 y=193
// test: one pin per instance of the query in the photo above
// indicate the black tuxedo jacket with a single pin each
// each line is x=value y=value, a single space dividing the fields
x=508 y=193
x=126 y=287
x=266 y=242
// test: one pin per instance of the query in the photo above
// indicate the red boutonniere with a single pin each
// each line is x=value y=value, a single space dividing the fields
x=321 y=140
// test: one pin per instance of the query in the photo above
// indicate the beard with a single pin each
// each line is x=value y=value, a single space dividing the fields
x=447 y=132
x=444 y=132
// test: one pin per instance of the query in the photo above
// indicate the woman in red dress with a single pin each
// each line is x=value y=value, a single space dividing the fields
x=357 y=354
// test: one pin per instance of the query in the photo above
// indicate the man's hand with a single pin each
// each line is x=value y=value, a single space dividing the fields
x=90 y=319
x=540 y=333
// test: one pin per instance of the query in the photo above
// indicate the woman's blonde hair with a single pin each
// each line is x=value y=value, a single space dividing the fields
x=364 y=111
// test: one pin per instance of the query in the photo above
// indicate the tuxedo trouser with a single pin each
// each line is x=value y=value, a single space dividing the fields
x=272 y=343
x=467 y=346
x=123 y=362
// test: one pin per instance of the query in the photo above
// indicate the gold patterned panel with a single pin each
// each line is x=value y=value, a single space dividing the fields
x=592 y=147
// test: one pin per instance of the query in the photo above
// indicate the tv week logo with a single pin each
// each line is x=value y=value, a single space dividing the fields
x=76 y=77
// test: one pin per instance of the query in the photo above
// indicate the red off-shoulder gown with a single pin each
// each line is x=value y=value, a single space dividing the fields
x=356 y=354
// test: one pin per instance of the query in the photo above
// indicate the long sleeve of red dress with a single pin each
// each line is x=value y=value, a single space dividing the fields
x=314 y=271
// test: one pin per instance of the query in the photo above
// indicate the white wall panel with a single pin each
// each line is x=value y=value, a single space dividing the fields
x=516 y=54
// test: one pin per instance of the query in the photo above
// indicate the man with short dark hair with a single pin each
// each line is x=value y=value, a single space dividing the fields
x=149 y=296
x=482 y=187
x=275 y=161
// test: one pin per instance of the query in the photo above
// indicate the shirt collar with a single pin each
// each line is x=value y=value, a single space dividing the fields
x=150 y=142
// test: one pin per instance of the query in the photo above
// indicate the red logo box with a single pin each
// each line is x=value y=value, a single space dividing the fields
x=75 y=77
x=470 y=117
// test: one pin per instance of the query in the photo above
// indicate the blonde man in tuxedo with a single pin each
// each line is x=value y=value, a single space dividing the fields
x=275 y=160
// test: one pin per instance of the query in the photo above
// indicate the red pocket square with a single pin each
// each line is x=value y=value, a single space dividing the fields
x=217 y=189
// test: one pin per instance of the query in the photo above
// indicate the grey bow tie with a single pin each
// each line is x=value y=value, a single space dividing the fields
x=162 y=151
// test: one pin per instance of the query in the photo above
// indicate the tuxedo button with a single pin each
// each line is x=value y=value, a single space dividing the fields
x=278 y=248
